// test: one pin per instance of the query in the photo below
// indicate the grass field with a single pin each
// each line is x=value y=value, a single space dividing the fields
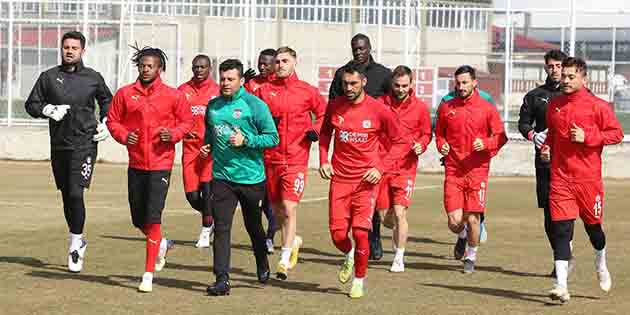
x=510 y=277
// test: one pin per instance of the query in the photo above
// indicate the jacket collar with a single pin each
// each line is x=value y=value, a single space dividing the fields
x=578 y=94
x=284 y=81
x=151 y=88
x=78 y=67
x=236 y=95
x=200 y=85
x=472 y=99
x=392 y=100
x=552 y=85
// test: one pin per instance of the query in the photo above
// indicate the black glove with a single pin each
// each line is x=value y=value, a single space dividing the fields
x=276 y=120
x=312 y=135
x=249 y=74
x=442 y=161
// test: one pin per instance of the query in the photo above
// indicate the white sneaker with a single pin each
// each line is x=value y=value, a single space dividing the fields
x=398 y=265
x=165 y=245
x=605 y=281
x=269 y=243
x=560 y=293
x=204 y=237
x=147 y=283
x=75 y=258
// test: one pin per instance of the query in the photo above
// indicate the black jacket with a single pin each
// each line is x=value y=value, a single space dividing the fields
x=78 y=89
x=533 y=112
x=378 y=80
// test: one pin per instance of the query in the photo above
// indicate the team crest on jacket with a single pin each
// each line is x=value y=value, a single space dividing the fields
x=367 y=124
x=236 y=114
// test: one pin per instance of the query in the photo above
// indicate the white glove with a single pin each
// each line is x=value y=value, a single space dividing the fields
x=102 y=132
x=539 y=138
x=55 y=112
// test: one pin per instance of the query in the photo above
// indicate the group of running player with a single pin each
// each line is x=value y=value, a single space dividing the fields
x=247 y=139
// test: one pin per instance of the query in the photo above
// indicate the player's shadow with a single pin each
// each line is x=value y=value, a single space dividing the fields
x=32 y=262
x=194 y=286
x=143 y=239
x=418 y=254
x=78 y=276
x=415 y=239
x=503 y=293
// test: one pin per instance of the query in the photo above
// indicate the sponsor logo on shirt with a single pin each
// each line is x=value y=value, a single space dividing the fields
x=353 y=137
x=198 y=110
x=236 y=114
x=366 y=124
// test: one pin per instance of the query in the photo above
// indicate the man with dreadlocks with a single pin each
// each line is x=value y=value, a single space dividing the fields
x=149 y=117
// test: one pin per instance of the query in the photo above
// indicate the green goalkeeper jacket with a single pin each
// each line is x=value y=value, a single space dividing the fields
x=250 y=115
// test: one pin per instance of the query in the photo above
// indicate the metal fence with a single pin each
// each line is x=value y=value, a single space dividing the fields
x=433 y=37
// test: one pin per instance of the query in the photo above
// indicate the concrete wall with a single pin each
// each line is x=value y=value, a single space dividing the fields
x=515 y=159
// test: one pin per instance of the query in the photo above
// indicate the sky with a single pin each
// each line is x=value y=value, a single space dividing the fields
x=599 y=20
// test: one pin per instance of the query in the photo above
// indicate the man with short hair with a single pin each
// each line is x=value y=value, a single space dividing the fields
x=532 y=125
x=238 y=128
x=358 y=122
x=197 y=172
x=401 y=160
x=579 y=125
x=378 y=84
x=149 y=118
x=468 y=133
x=291 y=102
x=65 y=95
x=266 y=69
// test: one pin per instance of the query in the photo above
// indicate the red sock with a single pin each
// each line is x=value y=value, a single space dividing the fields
x=361 y=252
x=341 y=240
x=154 y=237
x=207 y=221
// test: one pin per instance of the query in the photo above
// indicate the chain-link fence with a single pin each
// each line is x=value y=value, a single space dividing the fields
x=432 y=37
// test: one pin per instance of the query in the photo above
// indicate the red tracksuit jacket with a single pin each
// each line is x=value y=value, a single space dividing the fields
x=255 y=83
x=414 y=126
x=291 y=102
x=358 y=130
x=147 y=110
x=458 y=123
x=198 y=96
x=580 y=162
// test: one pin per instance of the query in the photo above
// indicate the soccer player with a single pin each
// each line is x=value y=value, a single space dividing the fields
x=65 y=95
x=358 y=122
x=468 y=133
x=378 y=84
x=401 y=160
x=238 y=128
x=198 y=171
x=483 y=234
x=149 y=118
x=266 y=67
x=532 y=125
x=579 y=125
x=291 y=102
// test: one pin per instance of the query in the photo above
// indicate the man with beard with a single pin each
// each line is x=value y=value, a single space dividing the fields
x=401 y=160
x=378 y=84
x=579 y=125
x=291 y=102
x=358 y=123
x=532 y=125
x=197 y=172
x=239 y=127
x=149 y=118
x=65 y=95
x=469 y=133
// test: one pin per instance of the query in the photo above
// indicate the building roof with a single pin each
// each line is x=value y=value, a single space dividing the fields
x=521 y=42
x=50 y=35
